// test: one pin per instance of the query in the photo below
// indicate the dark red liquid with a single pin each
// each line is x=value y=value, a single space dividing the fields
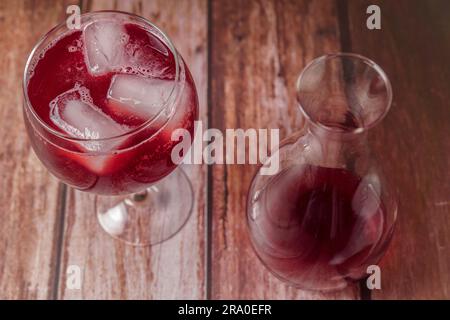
x=137 y=160
x=318 y=227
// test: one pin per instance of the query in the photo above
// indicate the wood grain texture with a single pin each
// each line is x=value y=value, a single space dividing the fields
x=258 y=50
x=29 y=196
x=174 y=269
x=413 y=47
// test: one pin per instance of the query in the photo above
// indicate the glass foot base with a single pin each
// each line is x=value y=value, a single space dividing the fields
x=152 y=216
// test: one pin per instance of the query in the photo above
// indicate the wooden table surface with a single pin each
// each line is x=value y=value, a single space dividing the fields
x=245 y=57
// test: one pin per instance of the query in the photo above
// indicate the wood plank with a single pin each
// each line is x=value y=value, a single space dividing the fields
x=258 y=51
x=29 y=196
x=174 y=269
x=413 y=46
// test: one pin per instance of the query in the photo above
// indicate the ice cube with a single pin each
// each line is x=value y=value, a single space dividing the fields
x=104 y=43
x=75 y=114
x=137 y=96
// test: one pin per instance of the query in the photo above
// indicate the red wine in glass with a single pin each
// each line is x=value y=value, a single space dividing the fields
x=80 y=93
x=100 y=106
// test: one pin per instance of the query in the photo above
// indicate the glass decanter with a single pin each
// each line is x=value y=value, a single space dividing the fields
x=328 y=213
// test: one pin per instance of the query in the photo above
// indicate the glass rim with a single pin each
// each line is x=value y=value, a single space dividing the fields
x=356 y=57
x=170 y=99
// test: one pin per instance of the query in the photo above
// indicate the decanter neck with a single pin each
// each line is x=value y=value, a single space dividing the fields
x=340 y=149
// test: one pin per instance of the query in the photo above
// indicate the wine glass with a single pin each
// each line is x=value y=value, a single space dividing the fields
x=100 y=106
